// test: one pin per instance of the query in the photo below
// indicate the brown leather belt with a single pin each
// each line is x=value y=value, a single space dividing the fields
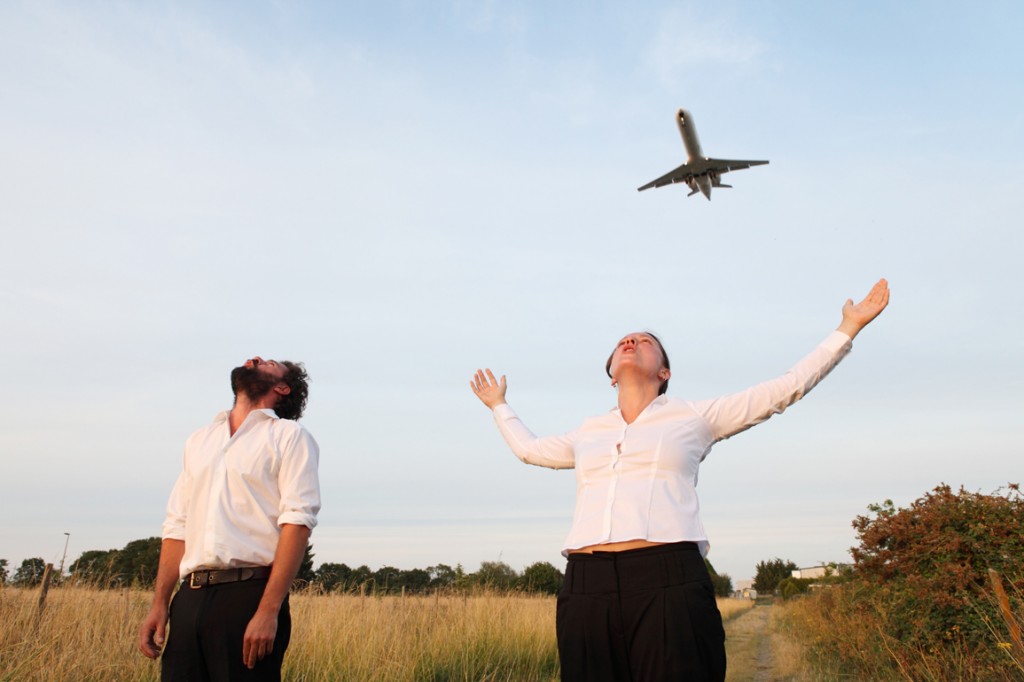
x=198 y=579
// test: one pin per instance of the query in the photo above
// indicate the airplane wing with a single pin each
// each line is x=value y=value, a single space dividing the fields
x=726 y=165
x=688 y=171
x=681 y=174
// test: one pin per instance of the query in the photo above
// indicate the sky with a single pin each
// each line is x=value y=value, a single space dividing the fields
x=398 y=193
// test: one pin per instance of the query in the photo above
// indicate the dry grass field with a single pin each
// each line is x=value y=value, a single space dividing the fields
x=88 y=634
x=730 y=608
x=483 y=637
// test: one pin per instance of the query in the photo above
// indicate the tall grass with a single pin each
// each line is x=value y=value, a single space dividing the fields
x=90 y=634
x=489 y=636
x=81 y=634
x=730 y=608
x=845 y=632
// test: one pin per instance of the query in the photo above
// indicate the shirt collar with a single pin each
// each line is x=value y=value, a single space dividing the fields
x=223 y=416
x=653 y=405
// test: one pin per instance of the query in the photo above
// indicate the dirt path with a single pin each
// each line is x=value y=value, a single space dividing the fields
x=748 y=647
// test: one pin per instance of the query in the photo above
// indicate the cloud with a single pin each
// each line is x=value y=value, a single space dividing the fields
x=489 y=16
x=683 y=41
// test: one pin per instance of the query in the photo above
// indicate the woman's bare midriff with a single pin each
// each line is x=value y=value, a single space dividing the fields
x=616 y=546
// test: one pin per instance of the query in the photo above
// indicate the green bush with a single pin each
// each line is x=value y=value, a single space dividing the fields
x=920 y=603
x=932 y=560
x=791 y=587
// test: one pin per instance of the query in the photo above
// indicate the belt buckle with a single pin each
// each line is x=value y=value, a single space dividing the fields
x=192 y=581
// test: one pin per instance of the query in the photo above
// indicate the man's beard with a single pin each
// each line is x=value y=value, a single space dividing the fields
x=252 y=382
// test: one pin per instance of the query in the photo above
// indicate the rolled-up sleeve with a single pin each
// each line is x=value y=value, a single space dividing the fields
x=177 y=508
x=299 y=480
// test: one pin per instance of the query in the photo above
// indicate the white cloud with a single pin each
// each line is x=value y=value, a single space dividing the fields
x=685 y=41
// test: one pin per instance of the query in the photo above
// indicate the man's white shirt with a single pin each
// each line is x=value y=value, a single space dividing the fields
x=235 y=492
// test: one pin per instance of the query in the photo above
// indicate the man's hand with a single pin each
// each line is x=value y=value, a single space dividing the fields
x=262 y=629
x=857 y=316
x=490 y=391
x=259 y=637
x=152 y=631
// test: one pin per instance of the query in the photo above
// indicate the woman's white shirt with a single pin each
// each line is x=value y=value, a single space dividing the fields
x=638 y=481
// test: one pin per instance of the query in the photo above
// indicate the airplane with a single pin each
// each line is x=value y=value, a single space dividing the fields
x=700 y=173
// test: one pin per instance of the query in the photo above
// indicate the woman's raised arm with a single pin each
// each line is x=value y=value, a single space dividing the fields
x=555 y=452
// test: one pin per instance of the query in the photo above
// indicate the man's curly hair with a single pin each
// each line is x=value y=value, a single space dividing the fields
x=292 y=405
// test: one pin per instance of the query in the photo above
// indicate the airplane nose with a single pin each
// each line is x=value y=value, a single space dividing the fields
x=704 y=182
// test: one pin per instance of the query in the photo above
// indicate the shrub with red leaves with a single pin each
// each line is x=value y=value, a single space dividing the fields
x=929 y=563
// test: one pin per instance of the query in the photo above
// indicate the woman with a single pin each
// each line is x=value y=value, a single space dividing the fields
x=637 y=603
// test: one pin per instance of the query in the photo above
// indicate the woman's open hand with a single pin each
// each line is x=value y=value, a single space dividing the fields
x=491 y=391
x=856 y=316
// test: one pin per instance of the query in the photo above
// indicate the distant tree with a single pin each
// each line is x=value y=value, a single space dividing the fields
x=137 y=562
x=305 y=575
x=414 y=580
x=331 y=577
x=496 y=575
x=361 y=575
x=770 y=573
x=3 y=572
x=442 y=576
x=94 y=566
x=838 y=572
x=385 y=579
x=541 y=577
x=461 y=578
x=134 y=564
x=30 y=573
x=721 y=582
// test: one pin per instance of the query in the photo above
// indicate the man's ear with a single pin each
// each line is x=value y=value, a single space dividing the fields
x=283 y=389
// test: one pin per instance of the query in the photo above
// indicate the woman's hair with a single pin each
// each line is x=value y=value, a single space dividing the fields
x=664 y=361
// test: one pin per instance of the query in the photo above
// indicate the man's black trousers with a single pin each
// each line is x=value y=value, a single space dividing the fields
x=207 y=626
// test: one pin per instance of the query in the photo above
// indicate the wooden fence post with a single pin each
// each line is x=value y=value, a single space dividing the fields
x=44 y=587
x=1004 y=608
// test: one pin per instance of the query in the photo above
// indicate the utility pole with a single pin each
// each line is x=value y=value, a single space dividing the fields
x=60 y=573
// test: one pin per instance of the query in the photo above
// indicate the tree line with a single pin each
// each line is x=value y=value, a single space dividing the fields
x=775 y=576
x=136 y=565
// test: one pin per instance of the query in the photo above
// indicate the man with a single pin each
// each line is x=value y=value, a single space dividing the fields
x=236 y=529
